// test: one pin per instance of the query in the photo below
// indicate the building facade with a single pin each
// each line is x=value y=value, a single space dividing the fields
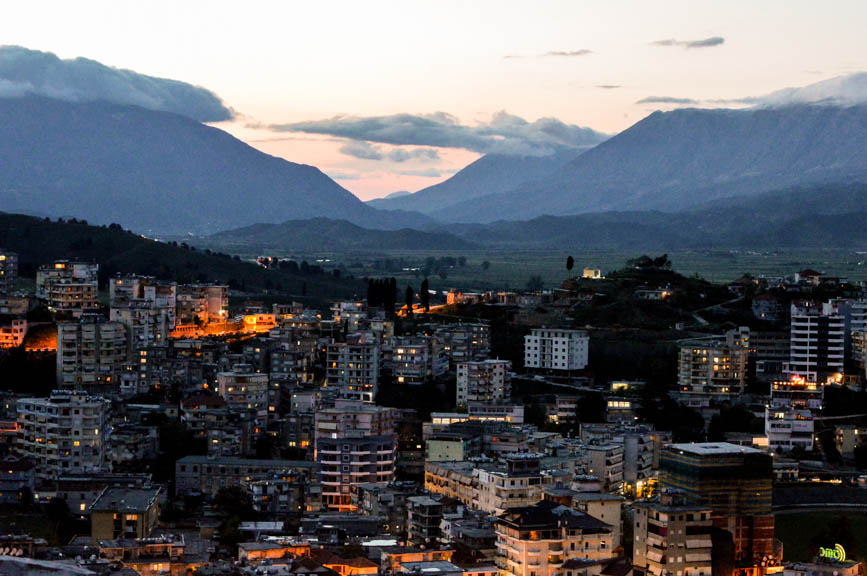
x=64 y=433
x=556 y=349
x=485 y=381
x=91 y=353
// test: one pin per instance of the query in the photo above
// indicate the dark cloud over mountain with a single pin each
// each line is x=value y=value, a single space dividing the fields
x=666 y=100
x=504 y=134
x=24 y=71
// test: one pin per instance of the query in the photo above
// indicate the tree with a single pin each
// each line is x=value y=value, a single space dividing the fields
x=570 y=263
x=462 y=261
x=486 y=265
x=424 y=294
x=535 y=283
x=410 y=296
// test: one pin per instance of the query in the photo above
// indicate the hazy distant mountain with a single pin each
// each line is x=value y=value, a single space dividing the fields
x=490 y=174
x=685 y=158
x=326 y=235
x=156 y=172
x=831 y=216
x=397 y=194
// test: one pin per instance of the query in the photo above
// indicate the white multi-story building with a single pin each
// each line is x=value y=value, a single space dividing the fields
x=485 y=381
x=68 y=286
x=788 y=429
x=354 y=443
x=817 y=345
x=63 y=434
x=8 y=271
x=672 y=537
x=556 y=349
x=541 y=540
x=353 y=367
x=521 y=483
x=91 y=352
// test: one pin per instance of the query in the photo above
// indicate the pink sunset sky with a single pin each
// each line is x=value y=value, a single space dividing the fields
x=322 y=83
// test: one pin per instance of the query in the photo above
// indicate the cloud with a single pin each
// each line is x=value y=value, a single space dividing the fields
x=24 y=71
x=703 y=43
x=552 y=54
x=666 y=100
x=608 y=86
x=334 y=175
x=361 y=149
x=568 y=53
x=504 y=134
x=402 y=154
x=366 y=151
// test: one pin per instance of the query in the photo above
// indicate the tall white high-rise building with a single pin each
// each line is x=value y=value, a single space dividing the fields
x=817 y=348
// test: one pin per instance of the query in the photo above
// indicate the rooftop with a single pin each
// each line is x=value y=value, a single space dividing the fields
x=711 y=448
x=113 y=499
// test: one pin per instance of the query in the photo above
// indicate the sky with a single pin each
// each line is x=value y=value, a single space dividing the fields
x=390 y=96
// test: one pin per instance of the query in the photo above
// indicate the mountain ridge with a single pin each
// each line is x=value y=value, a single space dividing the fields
x=681 y=159
x=157 y=172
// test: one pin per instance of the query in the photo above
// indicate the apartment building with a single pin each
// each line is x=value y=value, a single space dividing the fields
x=355 y=442
x=464 y=342
x=352 y=367
x=64 y=433
x=127 y=513
x=207 y=474
x=848 y=437
x=714 y=368
x=817 y=343
x=8 y=271
x=388 y=502
x=351 y=315
x=672 y=536
x=520 y=483
x=485 y=381
x=12 y=334
x=603 y=506
x=604 y=460
x=735 y=482
x=244 y=389
x=416 y=359
x=202 y=304
x=68 y=287
x=91 y=353
x=546 y=538
x=556 y=349
x=788 y=429
x=771 y=350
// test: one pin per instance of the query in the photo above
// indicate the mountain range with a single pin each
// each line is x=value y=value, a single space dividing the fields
x=490 y=174
x=688 y=177
x=157 y=172
x=828 y=216
x=674 y=161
